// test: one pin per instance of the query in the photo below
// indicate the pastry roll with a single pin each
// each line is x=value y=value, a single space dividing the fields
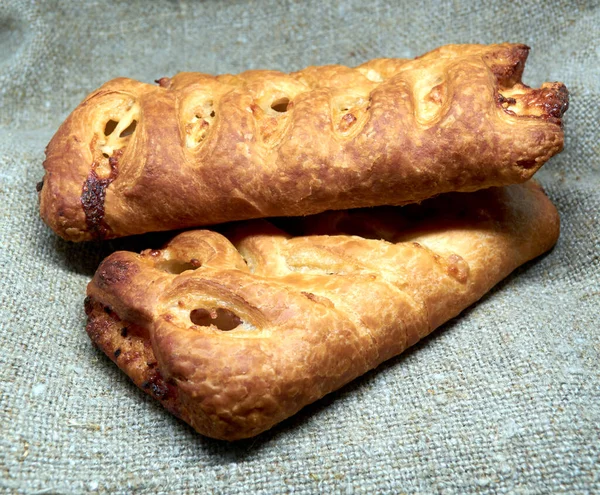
x=198 y=149
x=234 y=333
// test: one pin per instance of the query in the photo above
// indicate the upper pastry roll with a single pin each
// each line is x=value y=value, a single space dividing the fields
x=199 y=149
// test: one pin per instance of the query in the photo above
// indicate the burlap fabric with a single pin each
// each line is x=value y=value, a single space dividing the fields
x=503 y=399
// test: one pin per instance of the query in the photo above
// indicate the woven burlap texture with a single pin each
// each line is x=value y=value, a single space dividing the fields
x=503 y=399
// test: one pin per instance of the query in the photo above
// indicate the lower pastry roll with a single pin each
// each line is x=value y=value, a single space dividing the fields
x=234 y=333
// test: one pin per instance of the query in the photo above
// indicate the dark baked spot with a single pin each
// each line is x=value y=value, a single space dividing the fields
x=158 y=387
x=502 y=100
x=510 y=70
x=159 y=390
x=124 y=332
x=92 y=200
x=552 y=99
x=310 y=296
x=93 y=195
x=117 y=353
x=134 y=330
x=112 y=272
x=39 y=185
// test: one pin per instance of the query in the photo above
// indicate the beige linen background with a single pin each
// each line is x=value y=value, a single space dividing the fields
x=503 y=399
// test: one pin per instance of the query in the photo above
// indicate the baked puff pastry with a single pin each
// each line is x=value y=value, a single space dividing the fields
x=199 y=150
x=236 y=333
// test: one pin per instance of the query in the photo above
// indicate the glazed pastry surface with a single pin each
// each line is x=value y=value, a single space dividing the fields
x=234 y=333
x=198 y=149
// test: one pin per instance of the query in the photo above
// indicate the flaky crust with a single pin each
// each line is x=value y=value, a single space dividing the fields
x=199 y=150
x=235 y=335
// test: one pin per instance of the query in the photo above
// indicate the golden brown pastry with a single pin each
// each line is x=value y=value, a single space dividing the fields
x=236 y=335
x=199 y=150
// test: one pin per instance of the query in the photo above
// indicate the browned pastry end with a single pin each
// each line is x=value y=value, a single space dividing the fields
x=199 y=150
x=234 y=335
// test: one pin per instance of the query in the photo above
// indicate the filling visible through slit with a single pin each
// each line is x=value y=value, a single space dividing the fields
x=177 y=267
x=199 y=123
x=221 y=318
x=116 y=126
x=119 y=126
x=550 y=101
x=347 y=110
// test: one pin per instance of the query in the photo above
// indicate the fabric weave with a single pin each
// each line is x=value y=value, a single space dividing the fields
x=503 y=399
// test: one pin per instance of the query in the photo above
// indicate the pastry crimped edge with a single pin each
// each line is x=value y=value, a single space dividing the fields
x=200 y=150
x=318 y=310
